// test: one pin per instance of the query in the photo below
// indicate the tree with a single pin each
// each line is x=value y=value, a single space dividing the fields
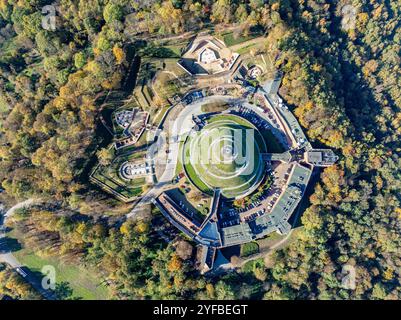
x=184 y=250
x=142 y=227
x=13 y=285
x=235 y=261
x=378 y=292
x=241 y=13
x=126 y=227
x=260 y=274
x=175 y=263
x=32 y=24
x=224 y=291
x=222 y=11
x=112 y=12
x=196 y=195
x=119 y=54
x=79 y=60
x=64 y=291
x=105 y=156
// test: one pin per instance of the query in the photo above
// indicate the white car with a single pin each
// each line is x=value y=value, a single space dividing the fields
x=21 y=272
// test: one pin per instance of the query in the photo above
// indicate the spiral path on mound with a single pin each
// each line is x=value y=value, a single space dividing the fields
x=225 y=155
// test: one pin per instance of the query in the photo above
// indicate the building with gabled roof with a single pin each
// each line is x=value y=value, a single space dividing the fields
x=207 y=56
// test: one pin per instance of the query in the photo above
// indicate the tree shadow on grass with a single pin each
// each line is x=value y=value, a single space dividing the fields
x=159 y=52
x=63 y=290
x=9 y=245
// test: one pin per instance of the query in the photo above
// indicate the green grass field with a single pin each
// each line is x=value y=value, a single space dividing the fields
x=109 y=176
x=196 y=180
x=166 y=85
x=231 y=40
x=249 y=249
x=85 y=283
x=260 y=138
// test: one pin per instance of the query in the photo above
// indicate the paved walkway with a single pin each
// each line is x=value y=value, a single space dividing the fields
x=11 y=260
x=8 y=257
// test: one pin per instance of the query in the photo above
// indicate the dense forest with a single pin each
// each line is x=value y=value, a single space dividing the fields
x=341 y=77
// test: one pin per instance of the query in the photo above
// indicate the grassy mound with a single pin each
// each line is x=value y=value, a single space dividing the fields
x=225 y=154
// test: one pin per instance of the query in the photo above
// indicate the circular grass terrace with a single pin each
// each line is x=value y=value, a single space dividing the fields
x=225 y=154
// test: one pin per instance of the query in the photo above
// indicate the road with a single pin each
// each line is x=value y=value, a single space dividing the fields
x=11 y=260
x=8 y=257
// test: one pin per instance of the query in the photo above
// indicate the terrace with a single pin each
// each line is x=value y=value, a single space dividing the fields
x=321 y=157
x=134 y=123
x=110 y=178
x=134 y=170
